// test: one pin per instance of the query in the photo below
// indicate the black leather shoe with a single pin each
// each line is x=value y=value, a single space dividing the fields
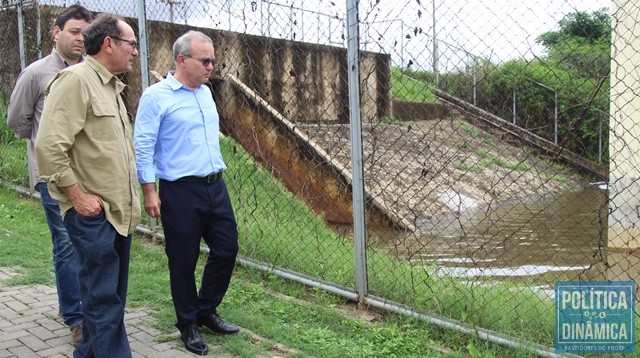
x=193 y=341
x=216 y=324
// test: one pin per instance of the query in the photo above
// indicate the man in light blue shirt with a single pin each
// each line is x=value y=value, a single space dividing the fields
x=177 y=141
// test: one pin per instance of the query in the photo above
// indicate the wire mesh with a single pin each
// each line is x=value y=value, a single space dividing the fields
x=486 y=149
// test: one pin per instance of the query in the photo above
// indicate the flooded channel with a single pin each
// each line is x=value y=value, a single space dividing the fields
x=537 y=242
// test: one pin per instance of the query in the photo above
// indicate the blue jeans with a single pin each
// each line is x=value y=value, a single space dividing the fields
x=65 y=261
x=104 y=274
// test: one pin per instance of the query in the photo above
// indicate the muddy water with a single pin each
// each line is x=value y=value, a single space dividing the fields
x=539 y=241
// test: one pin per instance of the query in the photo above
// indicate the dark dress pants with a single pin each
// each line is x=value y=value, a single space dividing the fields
x=191 y=212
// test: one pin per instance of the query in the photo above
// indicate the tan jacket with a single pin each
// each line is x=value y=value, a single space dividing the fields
x=85 y=138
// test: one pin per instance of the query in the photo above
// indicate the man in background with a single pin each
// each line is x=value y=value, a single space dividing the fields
x=177 y=140
x=84 y=151
x=23 y=116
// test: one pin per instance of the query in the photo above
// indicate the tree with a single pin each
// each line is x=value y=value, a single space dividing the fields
x=589 y=26
x=579 y=56
x=582 y=44
x=576 y=66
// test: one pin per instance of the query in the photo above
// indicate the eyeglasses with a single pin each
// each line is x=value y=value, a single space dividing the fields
x=205 y=61
x=132 y=43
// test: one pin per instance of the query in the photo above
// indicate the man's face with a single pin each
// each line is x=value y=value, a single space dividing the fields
x=125 y=50
x=69 y=41
x=198 y=65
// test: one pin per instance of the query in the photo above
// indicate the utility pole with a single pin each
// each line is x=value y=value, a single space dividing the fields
x=171 y=3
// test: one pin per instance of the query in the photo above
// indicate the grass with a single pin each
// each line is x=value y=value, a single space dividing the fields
x=304 y=322
x=473 y=167
x=409 y=89
x=488 y=160
x=279 y=228
x=389 y=120
x=13 y=153
x=13 y=159
x=466 y=127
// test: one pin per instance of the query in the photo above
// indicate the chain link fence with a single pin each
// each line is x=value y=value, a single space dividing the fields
x=497 y=143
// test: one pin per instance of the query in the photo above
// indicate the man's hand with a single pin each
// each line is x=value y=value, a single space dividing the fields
x=84 y=203
x=151 y=200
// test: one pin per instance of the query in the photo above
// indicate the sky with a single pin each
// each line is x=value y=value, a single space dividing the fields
x=497 y=30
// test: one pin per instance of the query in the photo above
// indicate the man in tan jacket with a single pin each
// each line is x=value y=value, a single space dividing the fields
x=84 y=151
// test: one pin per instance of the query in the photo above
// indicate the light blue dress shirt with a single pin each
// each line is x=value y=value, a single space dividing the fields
x=176 y=132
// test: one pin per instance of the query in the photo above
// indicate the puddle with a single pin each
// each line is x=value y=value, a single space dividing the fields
x=553 y=238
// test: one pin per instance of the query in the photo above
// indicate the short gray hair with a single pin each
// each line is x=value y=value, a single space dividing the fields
x=183 y=43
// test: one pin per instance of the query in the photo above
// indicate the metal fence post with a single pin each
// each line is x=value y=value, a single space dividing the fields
x=144 y=48
x=555 y=117
x=435 y=42
x=475 y=80
x=356 y=150
x=599 y=139
x=144 y=59
x=601 y=114
x=23 y=54
x=23 y=61
x=38 y=30
x=555 y=108
x=513 y=106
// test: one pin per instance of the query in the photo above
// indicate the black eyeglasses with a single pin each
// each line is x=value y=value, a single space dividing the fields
x=205 y=61
x=132 y=43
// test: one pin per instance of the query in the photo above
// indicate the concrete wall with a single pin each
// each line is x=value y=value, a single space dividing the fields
x=624 y=145
x=303 y=168
x=624 y=178
x=418 y=111
x=299 y=81
x=305 y=82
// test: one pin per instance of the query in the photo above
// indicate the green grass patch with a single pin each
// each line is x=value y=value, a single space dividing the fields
x=25 y=240
x=466 y=127
x=469 y=167
x=463 y=145
x=389 y=120
x=13 y=159
x=488 y=160
x=519 y=166
x=409 y=89
x=307 y=322
x=483 y=153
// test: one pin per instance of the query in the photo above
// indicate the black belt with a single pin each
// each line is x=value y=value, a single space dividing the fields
x=208 y=179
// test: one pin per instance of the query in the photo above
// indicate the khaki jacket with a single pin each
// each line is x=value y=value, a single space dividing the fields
x=85 y=138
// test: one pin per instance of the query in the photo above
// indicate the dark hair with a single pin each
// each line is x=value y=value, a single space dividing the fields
x=102 y=26
x=77 y=12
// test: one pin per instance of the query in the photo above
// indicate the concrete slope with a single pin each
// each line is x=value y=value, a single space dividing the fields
x=415 y=171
